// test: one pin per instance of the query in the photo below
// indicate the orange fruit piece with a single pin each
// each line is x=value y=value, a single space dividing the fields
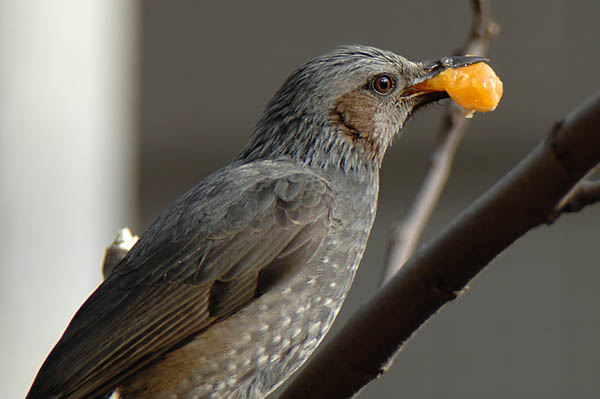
x=475 y=87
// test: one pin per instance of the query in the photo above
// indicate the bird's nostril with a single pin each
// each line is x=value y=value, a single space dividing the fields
x=446 y=62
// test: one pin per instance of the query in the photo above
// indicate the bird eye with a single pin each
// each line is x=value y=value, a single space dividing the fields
x=383 y=84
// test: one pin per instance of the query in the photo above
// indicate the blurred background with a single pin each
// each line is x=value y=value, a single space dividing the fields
x=111 y=109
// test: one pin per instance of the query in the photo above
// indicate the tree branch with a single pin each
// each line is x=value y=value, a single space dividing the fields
x=440 y=270
x=406 y=234
x=586 y=192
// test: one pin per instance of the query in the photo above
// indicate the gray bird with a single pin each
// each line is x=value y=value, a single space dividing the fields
x=235 y=284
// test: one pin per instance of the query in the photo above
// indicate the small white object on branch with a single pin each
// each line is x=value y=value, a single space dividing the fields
x=117 y=250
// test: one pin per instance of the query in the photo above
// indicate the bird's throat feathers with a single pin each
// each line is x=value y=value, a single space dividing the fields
x=347 y=140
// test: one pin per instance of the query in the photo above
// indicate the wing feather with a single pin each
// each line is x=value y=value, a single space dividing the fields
x=210 y=259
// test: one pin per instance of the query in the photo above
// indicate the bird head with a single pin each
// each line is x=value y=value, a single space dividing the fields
x=343 y=109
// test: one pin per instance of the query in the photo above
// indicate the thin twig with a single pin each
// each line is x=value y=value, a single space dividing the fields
x=406 y=234
x=439 y=271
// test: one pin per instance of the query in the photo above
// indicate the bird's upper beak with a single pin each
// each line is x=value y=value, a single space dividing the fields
x=430 y=69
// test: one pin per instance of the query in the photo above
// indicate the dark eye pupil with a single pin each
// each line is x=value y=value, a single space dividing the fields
x=383 y=84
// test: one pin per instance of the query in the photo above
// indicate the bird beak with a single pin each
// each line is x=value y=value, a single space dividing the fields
x=430 y=69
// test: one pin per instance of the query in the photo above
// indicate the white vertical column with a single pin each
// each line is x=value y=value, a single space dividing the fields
x=67 y=110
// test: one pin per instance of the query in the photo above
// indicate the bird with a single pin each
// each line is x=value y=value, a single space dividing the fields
x=235 y=284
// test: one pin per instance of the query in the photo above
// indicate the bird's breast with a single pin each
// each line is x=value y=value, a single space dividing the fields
x=248 y=354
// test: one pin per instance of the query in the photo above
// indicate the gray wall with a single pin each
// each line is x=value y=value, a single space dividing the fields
x=66 y=165
x=528 y=325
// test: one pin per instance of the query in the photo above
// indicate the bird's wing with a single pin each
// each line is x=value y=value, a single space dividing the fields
x=215 y=258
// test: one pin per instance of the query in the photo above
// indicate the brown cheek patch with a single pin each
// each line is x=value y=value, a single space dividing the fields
x=354 y=112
